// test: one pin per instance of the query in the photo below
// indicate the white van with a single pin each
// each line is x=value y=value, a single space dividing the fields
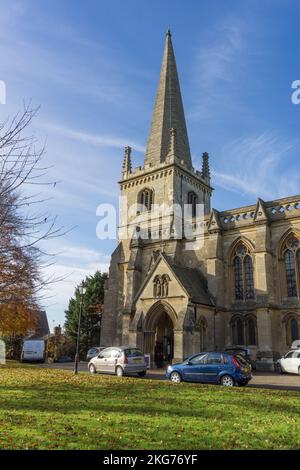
x=33 y=351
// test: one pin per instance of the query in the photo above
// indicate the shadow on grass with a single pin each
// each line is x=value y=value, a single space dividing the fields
x=118 y=397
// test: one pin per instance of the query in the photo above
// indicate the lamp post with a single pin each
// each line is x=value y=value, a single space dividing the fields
x=82 y=290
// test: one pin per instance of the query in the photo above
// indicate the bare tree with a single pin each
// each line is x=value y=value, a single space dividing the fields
x=22 y=225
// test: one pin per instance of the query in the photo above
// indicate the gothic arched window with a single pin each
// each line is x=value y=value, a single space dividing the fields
x=240 y=331
x=291 y=256
x=292 y=324
x=294 y=329
x=238 y=277
x=145 y=200
x=201 y=327
x=244 y=330
x=251 y=332
x=193 y=201
x=243 y=273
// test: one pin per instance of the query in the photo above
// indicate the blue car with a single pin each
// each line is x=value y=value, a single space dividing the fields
x=212 y=367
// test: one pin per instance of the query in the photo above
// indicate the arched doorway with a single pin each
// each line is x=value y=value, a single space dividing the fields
x=164 y=340
x=159 y=334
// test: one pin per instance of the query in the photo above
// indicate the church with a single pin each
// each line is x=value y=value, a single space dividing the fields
x=236 y=283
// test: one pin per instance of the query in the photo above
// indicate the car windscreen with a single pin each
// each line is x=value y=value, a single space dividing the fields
x=133 y=352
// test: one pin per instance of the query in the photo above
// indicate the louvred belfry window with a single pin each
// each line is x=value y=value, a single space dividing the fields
x=145 y=200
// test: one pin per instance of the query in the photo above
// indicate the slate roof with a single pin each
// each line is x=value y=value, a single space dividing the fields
x=42 y=327
x=193 y=283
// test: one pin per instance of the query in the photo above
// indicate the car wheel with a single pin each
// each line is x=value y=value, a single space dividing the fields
x=279 y=369
x=142 y=374
x=92 y=369
x=243 y=384
x=119 y=372
x=298 y=370
x=227 y=381
x=176 y=377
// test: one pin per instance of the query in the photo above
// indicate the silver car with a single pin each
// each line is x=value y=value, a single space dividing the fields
x=121 y=361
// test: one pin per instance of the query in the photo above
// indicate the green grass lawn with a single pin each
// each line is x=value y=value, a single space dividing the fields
x=52 y=409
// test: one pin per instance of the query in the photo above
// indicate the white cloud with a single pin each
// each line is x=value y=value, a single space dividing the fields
x=92 y=139
x=254 y=167
x=218 y=61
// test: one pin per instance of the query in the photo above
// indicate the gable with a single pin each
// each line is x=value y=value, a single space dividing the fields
x=182 y=282
x=175 y=289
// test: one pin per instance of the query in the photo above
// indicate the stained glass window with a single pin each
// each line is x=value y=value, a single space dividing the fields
x=291 y=282
x=294 y=329
x=248 y=267
x=238 y=274
x=240 y=331
x=251 y=332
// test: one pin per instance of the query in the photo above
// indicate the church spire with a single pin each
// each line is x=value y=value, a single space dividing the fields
x=168 y=114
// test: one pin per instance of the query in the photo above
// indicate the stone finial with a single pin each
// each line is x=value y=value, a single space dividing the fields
x=205 y=165
x=127 y=167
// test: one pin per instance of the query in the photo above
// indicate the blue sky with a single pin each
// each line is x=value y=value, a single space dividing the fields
x=93 y=67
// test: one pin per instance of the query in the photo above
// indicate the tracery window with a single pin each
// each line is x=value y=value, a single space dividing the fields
x=291 y=256
x=292 y=324
x=244 y=330
x=243 y=273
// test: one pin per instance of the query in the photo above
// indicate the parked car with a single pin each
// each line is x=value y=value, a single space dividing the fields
x=245 y=352
x=121 y=361
x=62 y=359
x=93 y=352
x=212 y=367
x=290 y=363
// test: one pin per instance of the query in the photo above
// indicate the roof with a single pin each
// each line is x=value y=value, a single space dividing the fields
x=193 y=283
x=42 y=327
x=168 y=114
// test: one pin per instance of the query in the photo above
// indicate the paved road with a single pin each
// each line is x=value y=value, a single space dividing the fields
x=260 y=379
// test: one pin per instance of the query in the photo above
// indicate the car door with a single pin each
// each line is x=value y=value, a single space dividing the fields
x=287 y=362
x=101 y=362
x=295 y=362
x=193 y=368
x=112 y=360
x=213 y=367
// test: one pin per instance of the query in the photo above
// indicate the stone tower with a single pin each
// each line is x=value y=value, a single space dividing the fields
x=166 y=178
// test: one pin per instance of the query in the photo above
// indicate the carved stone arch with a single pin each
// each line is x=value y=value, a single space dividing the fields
x=286 y=235
x=291 y=321
x=201 y=329
x=240 y=240
x=155 y=311
x=192 y=199
x=288 y=255
x=146 y=197
x=201 y=321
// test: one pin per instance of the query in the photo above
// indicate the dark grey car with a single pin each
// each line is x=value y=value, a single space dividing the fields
x=121 y=361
